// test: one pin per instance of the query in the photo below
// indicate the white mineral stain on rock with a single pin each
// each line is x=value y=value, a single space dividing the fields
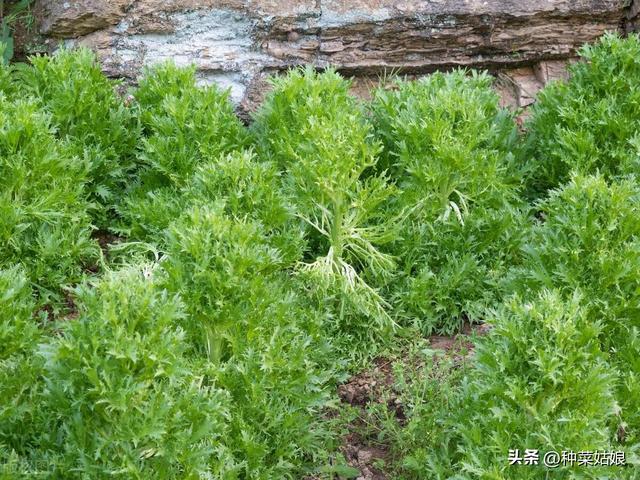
x=122 y=27
x=235 y=82
x=333 y=19
x=219 y=41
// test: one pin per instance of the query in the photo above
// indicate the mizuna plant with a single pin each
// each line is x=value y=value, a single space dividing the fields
x=183 y=126
x=246 y=188
x=20 y=367
x=44 y=224
x=314 y=130
x=90 y=117
x=284 y=254
x=450 y=149
x=121 y=398
x=589 y=239
x=541 y=381
x=254 y=336
x=216 y=261
x=590 y=122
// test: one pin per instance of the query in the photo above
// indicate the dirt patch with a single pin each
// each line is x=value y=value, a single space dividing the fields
x=373 y=385
x=71 y=309
x=68 y=310
x=377 y=382
x=377 y=385
x=360 y=454
x=368 y=385
x=44 y=314
x=106 y=239
x=459 y=346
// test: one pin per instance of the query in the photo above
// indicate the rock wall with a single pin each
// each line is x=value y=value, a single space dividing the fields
x=236 y=43
x=633 y=16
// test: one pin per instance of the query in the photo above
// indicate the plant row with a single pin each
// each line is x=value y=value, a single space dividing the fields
x=254 y=267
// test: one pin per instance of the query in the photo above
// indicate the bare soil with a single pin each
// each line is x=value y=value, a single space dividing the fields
x=376 y=384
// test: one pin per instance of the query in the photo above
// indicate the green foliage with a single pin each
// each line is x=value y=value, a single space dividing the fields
x=121 y=399
x=314 y=130
x=217 y=261
x=590 y=240
x=450 y=149
x=258 y=339
x=44 y=223
x=89 y=115
x=184 y=125
x=592 y=121
x=19 y=364
x=246 y=188
x=5 y=72
x=540 y=382
x=286 y=253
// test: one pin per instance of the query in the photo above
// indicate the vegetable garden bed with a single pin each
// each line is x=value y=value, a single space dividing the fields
x=183 y=296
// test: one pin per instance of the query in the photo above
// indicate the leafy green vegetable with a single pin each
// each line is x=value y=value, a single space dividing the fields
x=44 y=224
x=184 y=126
x=590 y=240
x=450 y=149
x=314 y=130
x=541 y=382
x=591 y=122
x=90 y=116
x=20 y=366
x=285 y=254
x=121 y=398
x=247 y=188
x=256 y=338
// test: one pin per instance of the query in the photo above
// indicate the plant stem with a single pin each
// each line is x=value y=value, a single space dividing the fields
x=336 y=229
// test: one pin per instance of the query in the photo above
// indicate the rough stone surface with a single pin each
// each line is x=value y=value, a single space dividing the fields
x=75 y=18
x=633 y=17
x=237 y=42
x=518 y=87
